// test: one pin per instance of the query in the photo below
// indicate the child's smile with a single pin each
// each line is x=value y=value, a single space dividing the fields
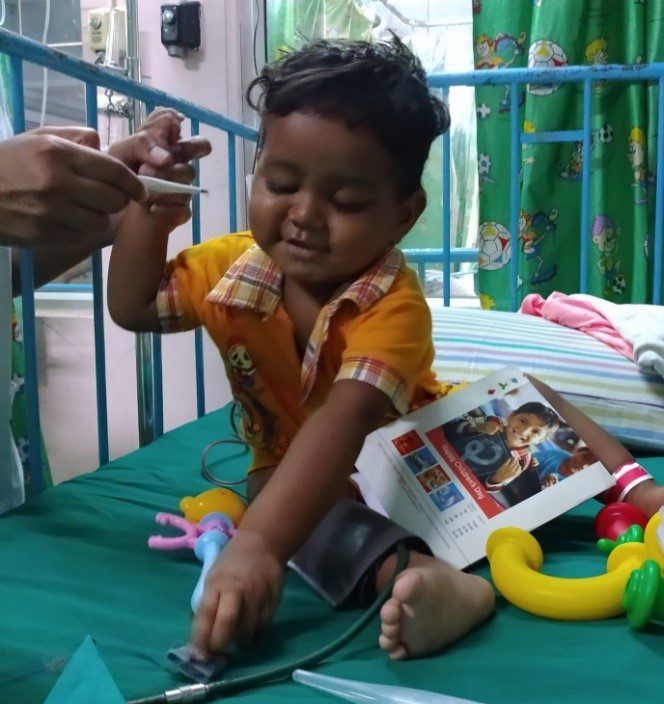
x=324 y=203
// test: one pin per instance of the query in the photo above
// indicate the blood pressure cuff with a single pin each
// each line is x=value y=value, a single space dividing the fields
x=342 y=556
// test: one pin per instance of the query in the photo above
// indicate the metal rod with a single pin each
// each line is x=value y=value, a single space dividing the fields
x=98 y=311
x=564 y=74
x=658 y=245
x=232 y=184
x=28 y=301
x=515 y=152
x=34 y=52
x=585 y=189
x=554 y=136
x=198 y=333
x=447 y=212
x=457 y=255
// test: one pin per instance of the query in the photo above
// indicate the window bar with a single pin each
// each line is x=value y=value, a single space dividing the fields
x=98 y=310
x=515 y=154
x=196 y=238
x=657 y=249
x=585 y=189
x=28 y=299
x=447 y=211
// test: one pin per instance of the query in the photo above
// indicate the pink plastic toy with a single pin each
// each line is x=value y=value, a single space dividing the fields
x=206 y=538
x=191 y=531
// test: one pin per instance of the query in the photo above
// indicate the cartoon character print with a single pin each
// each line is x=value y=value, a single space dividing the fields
x=533 y=230
x=571 y=171
x=636 y=153
x=605 y=233
x=257 y=423
x=597 y=55
x=499 y=52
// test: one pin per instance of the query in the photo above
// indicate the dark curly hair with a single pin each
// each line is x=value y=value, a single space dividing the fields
x=547 y=415
x=380 y=87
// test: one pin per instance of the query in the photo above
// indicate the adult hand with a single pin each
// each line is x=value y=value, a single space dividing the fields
x=57 y=189
x=157 y=146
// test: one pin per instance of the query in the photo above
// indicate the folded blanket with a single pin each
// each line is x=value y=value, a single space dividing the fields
x=636 y=331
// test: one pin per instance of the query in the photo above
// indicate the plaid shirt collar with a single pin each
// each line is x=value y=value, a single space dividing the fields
x=253 y=283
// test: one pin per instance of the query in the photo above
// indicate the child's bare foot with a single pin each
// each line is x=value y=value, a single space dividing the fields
x=432 y=605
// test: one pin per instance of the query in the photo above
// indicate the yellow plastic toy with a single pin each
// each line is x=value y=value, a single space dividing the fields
x=516 y=557
x=216 y=500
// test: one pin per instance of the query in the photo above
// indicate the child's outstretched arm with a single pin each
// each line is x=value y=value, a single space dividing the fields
x=138 y=260
x=648 y=496
x=243 y=588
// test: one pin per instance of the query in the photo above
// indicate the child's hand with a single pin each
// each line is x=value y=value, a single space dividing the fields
x=172 y=209
x=508 y=470
x=549 y=481
x=242 y=591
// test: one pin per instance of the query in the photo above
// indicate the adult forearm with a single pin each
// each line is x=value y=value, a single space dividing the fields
x=51 y=262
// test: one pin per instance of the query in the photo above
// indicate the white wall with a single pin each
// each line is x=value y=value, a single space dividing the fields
x=211 y=78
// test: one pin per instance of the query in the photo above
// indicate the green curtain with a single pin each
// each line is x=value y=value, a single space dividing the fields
x=622 y=150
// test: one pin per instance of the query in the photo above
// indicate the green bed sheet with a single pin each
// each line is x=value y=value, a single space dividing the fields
x=75 y=562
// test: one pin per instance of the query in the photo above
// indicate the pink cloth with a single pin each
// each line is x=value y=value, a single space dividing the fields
x=579 y=314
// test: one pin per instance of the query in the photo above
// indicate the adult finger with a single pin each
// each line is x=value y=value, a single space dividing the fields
x=164 y=126
x=194 y=148
x=226 y=622
x=85 y=136
x=102 y=167
x=82 y=220
x=97 y=195
x=180 y=173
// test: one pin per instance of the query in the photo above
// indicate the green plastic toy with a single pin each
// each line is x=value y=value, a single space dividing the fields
x=643 y=599
x=634 y=534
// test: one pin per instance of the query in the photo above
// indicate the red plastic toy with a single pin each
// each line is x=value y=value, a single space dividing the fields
x=614 y=519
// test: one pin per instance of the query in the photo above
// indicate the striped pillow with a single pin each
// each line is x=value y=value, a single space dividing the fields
x=611 y=389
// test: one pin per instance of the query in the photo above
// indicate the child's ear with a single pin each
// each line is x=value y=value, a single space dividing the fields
x=410 y=210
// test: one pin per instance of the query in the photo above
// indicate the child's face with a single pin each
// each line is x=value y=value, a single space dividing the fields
x=524 y=429
x=324 y=202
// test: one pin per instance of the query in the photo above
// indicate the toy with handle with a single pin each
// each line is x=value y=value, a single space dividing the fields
x=207 y=549
x=206 y=538
x=515 y=558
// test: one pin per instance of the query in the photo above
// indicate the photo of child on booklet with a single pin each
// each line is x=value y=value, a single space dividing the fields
x=516 y=447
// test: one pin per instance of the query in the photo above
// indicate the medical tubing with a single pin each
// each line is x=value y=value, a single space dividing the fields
x=204 y=692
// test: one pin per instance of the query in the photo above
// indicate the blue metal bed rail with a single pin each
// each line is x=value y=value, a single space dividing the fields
x=21 y=49
x=514 y=78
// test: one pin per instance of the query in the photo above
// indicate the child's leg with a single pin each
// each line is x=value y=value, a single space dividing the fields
x=648 y=496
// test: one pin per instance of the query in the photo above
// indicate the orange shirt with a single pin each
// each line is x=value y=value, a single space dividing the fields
x=377 y=331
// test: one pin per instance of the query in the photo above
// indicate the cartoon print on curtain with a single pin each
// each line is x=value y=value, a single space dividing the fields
x=554 y=33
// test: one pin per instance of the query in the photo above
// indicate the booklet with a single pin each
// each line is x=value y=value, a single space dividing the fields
x=493 y=454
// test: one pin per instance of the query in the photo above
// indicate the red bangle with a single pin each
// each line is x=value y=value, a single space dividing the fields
x=626 y=477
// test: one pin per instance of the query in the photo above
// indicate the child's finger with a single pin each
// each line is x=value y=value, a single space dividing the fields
x=226 y=621
x=247 y=624
x=204 y=620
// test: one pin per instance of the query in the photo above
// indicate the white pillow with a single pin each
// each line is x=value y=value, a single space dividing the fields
x=608 y=387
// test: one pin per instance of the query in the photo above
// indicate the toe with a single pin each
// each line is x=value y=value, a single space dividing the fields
x=390 y=614
x=388 y=644
x=408 y=588
x=398 y=653
x=390 y=630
